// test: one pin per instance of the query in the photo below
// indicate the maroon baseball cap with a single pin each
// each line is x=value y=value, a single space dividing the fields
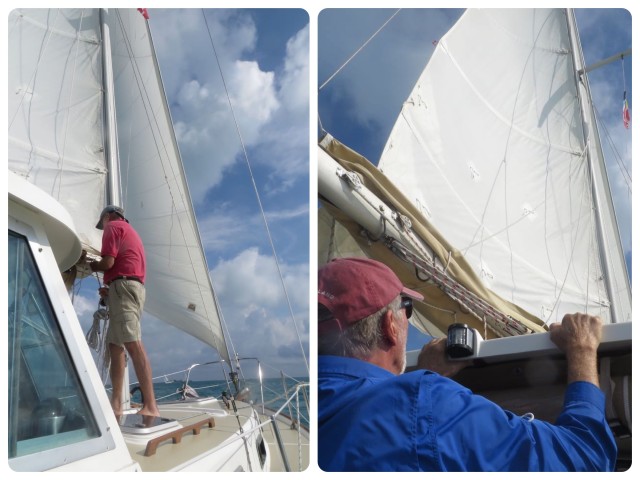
x=354 y=288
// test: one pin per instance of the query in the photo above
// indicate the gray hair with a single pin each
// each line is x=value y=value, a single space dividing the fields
x=359 y=340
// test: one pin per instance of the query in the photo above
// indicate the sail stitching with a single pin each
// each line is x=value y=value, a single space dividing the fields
x=423 y=145
x=66 y=130
x=30 y=85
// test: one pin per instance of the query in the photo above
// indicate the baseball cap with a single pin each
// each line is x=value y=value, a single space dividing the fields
x=351 y=289
x=110 y=209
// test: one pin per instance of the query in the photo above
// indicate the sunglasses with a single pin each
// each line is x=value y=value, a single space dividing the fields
x=407 y=304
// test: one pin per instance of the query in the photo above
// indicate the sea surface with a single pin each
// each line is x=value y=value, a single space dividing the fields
x=270 y=393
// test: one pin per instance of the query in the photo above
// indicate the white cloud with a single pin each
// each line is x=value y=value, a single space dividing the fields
x=250 y=283
x=205 y=126
x=220 y=228
x=294 y=85
x=253 y=97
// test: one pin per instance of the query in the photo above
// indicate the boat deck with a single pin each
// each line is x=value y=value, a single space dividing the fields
x=193 y=442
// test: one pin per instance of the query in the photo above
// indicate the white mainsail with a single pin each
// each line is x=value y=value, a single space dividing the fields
x=498 y=173
x=491 y=142
x=154 y=189
x=153 y=186
x=55 y=110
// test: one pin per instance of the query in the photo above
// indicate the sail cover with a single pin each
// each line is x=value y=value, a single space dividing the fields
x=490 y=147
x=56 y=141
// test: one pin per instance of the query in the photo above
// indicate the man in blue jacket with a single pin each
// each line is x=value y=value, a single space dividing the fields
x=372 y=417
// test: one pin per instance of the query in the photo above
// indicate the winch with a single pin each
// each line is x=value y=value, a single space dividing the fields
x=462 y=341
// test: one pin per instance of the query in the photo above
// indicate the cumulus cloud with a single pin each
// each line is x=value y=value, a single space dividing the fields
x=263 y=101
x=294 y=85
x=249 y=286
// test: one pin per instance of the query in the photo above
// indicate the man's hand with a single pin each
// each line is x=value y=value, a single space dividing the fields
x=433 y=357
x=578 y=336
x=103 y=265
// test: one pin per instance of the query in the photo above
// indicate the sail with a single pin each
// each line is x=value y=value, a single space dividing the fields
x=365 y=214
x=57 y=140
x=154 y=190
x=55 y=114
x=490 y=147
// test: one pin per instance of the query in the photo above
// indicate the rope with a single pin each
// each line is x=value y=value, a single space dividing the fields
x=255 y=188
x=495 y=320
x=358 y=50
x=97 y=338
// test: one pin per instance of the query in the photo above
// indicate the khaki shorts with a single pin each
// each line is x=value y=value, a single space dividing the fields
x=126 y=299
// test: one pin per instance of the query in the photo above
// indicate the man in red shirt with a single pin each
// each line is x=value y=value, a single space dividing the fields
x=123 y=264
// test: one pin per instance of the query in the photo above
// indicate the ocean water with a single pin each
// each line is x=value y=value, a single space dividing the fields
x=270 y=393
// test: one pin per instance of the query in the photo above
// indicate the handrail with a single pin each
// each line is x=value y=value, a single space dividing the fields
x=176 y=435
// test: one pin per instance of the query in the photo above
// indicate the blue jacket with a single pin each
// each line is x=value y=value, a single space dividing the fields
x=372 y=420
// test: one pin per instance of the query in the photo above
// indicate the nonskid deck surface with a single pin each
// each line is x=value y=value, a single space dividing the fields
x=192 y=437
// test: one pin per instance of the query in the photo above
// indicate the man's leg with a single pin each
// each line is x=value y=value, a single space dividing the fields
x=143 y=372
x=116 y=371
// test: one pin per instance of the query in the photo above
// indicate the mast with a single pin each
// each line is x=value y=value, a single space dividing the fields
x=111 y=149
x=111 y=131
x=599 y=183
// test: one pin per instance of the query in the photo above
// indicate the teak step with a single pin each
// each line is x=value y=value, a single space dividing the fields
x=176 y=435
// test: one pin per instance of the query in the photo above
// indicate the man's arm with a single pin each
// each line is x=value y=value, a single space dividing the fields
x=103 y=265
x=433 y=357
x=578 y=336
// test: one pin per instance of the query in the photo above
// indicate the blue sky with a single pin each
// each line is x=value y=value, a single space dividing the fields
x=264 y=55
x=360 y=105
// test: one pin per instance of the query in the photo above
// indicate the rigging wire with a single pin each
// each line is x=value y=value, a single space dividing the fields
x=255 y=188
x=358 y=50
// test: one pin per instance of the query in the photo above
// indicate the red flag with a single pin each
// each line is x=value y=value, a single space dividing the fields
x=626 y=115
x=144 y=13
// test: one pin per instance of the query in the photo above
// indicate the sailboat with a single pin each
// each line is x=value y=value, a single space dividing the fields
x=491 y=198
x=89 y=125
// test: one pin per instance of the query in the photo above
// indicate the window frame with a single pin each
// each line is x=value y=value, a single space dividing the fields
x=46 y=269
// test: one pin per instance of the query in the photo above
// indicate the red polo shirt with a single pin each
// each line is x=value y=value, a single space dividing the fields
x=122 y=242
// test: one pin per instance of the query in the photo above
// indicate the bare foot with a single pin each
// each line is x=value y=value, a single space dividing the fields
x=148 y=411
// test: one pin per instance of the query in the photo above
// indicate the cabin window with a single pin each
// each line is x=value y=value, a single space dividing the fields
x=47 y=405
